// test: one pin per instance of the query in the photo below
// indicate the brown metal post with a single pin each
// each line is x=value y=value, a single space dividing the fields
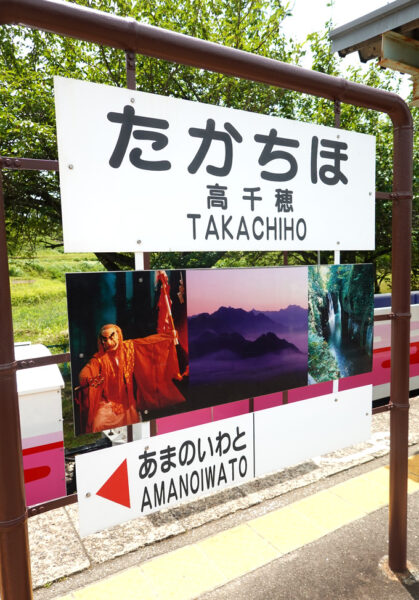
x=130 y=69
x=400 y=340
x=15 y=573
x=336 y=110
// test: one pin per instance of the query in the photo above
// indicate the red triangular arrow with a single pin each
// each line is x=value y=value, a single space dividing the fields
x=116 y=487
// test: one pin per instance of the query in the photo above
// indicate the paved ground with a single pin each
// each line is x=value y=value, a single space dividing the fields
x=318 y=530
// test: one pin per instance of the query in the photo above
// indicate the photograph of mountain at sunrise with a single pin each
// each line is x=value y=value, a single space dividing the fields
x=247 y=332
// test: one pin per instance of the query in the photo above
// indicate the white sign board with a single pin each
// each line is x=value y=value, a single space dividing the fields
x=129 y=481
x=287 y=435
x=125 y=482
x=141 y=172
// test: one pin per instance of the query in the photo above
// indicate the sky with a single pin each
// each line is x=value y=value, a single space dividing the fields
x=261 y=289
x=311 y=15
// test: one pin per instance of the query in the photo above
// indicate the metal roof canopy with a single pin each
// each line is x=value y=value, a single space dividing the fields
x=390 y=33
x=364 y=34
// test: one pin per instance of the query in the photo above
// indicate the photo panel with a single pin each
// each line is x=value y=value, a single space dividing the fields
x=341 y=321
x=247 y=332
x=149 y=344
x=128 y=344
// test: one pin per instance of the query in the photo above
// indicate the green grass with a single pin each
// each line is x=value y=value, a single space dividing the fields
x=39 y=311
x=39 y=294
x=39 y=306
x=52 y=264
x=42 y=322
x=35 y=290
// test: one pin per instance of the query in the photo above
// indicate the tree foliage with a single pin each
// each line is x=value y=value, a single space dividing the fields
x=29 y=59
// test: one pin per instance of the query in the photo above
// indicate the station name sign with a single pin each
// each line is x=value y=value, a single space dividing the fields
x=142 y=172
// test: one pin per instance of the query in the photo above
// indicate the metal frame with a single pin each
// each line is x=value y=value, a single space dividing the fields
x=91 y=25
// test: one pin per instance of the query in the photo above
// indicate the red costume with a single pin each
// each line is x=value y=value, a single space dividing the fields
x=137 y=376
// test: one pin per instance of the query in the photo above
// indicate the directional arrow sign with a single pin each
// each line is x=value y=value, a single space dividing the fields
x=116 y=487
x=117 y=484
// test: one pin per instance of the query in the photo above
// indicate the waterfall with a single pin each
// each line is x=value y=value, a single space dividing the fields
x=331 y=313
x=335 y=324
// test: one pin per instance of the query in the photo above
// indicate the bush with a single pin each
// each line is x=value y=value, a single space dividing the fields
x=15 y=271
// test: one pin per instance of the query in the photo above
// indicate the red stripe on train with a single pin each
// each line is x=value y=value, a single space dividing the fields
x=414 y=355
x=43 y=448
x=35 y=473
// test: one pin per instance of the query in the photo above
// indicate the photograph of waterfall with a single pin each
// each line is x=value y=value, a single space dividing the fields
x=340 y=321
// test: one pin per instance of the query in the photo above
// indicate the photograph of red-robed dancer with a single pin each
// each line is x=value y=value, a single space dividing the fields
x=139 y=367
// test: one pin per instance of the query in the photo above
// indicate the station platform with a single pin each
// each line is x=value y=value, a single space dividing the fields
x=317 y=530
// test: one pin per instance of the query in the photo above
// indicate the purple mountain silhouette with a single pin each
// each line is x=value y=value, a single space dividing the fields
x=292 y=318
x=248 y=323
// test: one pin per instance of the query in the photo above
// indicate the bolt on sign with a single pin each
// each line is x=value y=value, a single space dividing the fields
x=142 y=172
